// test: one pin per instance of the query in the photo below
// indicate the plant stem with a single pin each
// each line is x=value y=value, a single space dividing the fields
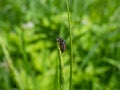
x=14 y=71
x=71 y=51
x=60 y=68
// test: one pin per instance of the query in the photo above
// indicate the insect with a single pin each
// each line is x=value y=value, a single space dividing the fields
x=62 y=44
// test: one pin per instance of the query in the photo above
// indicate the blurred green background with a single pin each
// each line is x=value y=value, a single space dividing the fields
x=28 y=52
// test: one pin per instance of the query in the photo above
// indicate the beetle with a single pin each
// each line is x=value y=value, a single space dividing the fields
x=62 y=44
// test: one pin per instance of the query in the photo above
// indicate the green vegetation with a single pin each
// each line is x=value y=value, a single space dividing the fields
x=28 y=52
x=61 y=75
x=71 y=46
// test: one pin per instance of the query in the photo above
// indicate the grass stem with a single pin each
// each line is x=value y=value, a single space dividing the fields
x=60 y=68
x=71 y=51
